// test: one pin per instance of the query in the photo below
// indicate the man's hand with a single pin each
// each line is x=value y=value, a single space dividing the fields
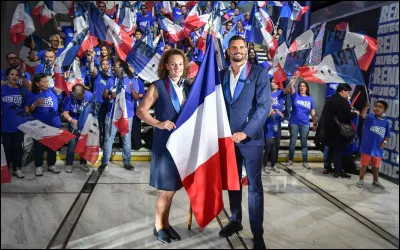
x=238 y=137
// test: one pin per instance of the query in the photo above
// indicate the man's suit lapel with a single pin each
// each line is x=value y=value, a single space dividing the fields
x=242 y=81
x=226 y=86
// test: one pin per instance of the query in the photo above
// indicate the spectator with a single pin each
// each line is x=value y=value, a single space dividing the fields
x=100 y=79
x=106 y=53
x=252 y=57
x=376 y=133
x=182 y=17
x=231 y=10
x=42 y=103
x=240 y=30
x=15 y=62
x=273 y=127
x=72 y=108
x=143 y=18
x=229 y=25
x=303 y=106
x=48 y=66
x=12 y=94
x=337 y=108
x=55 y=42
x=115 y=85
x=138 y=35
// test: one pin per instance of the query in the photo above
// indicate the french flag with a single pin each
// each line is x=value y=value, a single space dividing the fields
x=340 y=66
x=88 y=143
x=24 y=55
x=126 y=17
x=201 y=144
x=62 y=7
x=66 y=58
x=194 y=20
x=22 y=24
x=193 y=69
x=278 y=61
x=42 y=13
x=75 y=76
x=144 y=60
x=104 y=28
x=120 y=113
x=167 y=9
x=262 y=4
x=88 y=42
x=5 y=174
x=304 y=41
x=294 y=10
x=364 y=47
x=265 y=20
x=174 y=32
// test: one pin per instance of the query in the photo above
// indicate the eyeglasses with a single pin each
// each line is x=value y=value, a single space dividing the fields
x=12 y=58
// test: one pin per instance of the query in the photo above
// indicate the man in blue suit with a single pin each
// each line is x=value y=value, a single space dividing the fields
x=247 y=97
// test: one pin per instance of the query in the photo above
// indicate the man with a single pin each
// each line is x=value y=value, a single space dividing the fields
x=143 y=18
x=55 y=41
x=229 y=26
x=182 y=17
x=247 y=94
x=15 y=62
x=47 y=67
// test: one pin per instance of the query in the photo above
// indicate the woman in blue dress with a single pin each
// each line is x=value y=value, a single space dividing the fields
x=168 y=96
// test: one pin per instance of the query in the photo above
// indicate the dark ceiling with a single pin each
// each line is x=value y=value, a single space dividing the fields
x=316 y=5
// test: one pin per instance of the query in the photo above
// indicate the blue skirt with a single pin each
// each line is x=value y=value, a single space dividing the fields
x=163 y=172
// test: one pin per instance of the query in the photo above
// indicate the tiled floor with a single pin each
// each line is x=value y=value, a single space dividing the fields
x=120 y=212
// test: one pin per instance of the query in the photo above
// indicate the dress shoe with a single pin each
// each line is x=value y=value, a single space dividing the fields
x=259 y=242
x=172 y=233
x=232 y=227
x=102 y=167
x=162 y=235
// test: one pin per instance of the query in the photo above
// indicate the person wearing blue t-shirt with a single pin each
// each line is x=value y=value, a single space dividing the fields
x=12 y=102
x=302 y=107
x=72 y=107
x=143 y=18
x=100 y=79
x=277 y=97
x=114 y=87
x=55 y=41
x=15 y=62
x=376 y=133
x=42 y=103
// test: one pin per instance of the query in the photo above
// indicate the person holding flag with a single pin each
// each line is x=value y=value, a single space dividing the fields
x=115 y=86
x=168 y=96
x=72 y=108
x=247 y=97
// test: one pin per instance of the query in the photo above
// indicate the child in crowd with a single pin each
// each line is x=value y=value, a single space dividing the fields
x=376 y=133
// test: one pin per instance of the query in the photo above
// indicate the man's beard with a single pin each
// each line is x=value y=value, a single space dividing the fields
x=233 y=58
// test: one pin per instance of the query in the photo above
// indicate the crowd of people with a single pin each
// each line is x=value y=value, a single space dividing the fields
x=257 y=134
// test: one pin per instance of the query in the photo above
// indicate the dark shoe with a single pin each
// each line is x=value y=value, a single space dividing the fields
x=231 y=228
x=327 y=171
x=172 y=233
x=129 y=167
x=162 y=235
x=259 y=242
x=342 y=175
x=102 y=167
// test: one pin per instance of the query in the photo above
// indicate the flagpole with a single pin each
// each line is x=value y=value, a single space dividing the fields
x=190 y=218
x=366 y=92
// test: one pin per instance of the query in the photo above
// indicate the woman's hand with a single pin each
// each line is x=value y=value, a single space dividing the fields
x=168 y=125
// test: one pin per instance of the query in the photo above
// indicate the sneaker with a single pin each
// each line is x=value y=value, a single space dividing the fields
x=39 y=171
x=275 y=169
x=289 y=163
x=265 y=169
x=378 y=185
x=102 y=167
x=84 y=168
x=129 y=167
x=360 y=183
x=68 y=169
x=54 y=169
x=305 y=164
x=17 y=172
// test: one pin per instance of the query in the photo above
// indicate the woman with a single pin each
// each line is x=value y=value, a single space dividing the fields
x=12 y=97
x=302 y=107
x=337 y=107
x=105 y=53
x=72 y=107
x=240 y=29
x=42 y=103
x=253 y=56
x=168 y=95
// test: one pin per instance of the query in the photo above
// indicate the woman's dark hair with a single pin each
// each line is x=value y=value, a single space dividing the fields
x=307 y=88
x=8 y=71
x=36 y=79
x=255 y=58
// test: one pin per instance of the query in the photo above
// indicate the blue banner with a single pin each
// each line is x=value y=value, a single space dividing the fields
x=384 y=84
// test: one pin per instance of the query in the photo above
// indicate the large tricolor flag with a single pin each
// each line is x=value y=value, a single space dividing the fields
x=22 y=24
x=88 y=143
x=340 y=66
x=364 y=47
x=175 y=33
x=126 y=17
x=265 y=20
x=42 y=13
x=304 y=41
x=201 y=144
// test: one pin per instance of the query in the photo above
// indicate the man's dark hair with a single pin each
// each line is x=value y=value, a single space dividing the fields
x=140 y=31
x=9 y=53
x=234 y=38
x=385 y=105
x=229 y=22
